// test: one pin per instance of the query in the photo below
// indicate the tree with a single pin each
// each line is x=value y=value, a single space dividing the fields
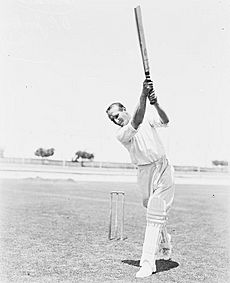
x=83 y=155
x=44 y=152
x=220 y=162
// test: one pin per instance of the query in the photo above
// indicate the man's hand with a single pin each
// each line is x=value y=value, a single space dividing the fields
x=147 y=87
x=148 y=90
x=152 y=97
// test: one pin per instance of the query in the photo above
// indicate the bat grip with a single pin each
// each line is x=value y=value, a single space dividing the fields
x=153 y=102
x=147 y=76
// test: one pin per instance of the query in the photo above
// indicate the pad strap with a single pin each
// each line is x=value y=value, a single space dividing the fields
x=156 y=211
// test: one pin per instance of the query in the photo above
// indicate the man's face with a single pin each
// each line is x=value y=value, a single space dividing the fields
x=119 y=117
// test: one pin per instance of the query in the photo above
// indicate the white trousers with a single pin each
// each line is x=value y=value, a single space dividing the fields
x=155 y=179
x=158 y=179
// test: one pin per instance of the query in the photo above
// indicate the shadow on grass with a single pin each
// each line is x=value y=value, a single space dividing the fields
x=161 y=264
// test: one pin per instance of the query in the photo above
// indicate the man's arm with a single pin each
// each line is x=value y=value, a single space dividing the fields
x=163 y=116
x=141 y=107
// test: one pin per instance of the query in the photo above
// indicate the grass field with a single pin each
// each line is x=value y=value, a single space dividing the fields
x=56 y=231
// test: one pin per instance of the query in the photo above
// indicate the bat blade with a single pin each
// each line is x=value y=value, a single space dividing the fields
x=142 y=43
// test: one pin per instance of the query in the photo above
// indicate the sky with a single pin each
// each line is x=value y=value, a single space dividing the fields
x=63 y=62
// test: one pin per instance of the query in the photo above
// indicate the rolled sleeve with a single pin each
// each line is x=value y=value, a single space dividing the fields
x=126 y=133
x=157 y=124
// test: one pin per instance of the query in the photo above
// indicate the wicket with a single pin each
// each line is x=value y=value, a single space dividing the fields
x=116 y=195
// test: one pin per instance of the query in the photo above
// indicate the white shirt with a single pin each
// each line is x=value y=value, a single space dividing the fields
x=143 y=144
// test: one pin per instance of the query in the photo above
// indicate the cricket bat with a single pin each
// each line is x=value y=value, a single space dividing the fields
x=141 y=37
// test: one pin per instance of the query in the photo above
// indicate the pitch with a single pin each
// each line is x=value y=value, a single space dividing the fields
x=57 y=231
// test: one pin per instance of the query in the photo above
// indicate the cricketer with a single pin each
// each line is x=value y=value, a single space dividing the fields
x=138 y=133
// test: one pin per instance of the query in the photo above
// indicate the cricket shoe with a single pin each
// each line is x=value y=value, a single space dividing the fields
x=146 y=270
x=165 y=249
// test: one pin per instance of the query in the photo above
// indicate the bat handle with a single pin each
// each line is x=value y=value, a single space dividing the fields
x=147 y=76
x=153 y=102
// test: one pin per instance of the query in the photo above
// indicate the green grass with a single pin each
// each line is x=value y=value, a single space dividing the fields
x=56 y=231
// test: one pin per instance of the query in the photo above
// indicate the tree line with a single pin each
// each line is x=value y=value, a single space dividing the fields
x=79 y=155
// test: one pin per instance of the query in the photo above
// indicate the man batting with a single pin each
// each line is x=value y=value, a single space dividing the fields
x=138 y=133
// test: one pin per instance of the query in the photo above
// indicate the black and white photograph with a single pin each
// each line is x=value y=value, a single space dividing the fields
x=114 y=141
